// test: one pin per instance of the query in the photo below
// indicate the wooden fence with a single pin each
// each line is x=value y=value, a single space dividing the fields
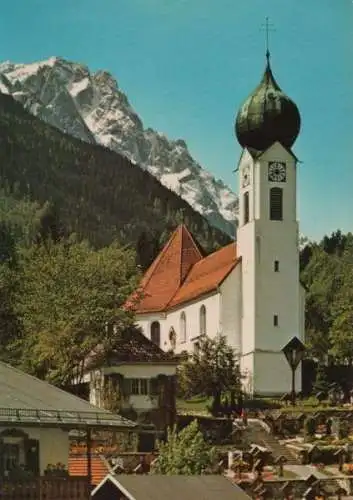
x=45 y=488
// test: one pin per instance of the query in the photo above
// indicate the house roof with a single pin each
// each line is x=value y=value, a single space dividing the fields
x=27 y=400
x=180 y=273
x=132 y=346
x=159 y=487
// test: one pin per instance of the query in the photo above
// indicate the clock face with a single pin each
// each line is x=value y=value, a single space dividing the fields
x=245 y=176
x=277 y=171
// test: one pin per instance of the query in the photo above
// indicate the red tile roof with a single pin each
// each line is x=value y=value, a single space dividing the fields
x=180 y=273
x=206 y=275
x=78 y=467
x=166 y=274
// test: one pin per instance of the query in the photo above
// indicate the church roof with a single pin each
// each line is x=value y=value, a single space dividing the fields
x=268 y=115
x=180 y=273
x=206 y=275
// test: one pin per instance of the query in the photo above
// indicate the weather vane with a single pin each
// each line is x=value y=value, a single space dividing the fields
x=267 y=27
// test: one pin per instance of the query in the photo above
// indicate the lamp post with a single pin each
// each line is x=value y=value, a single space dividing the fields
x=294 y=352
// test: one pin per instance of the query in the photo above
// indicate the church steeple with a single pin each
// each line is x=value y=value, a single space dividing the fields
x=268 y=115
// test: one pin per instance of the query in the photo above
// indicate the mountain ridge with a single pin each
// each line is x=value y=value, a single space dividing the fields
x=87 y=190
x=91 y=106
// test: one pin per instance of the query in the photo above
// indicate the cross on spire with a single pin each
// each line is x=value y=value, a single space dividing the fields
x=267 y=27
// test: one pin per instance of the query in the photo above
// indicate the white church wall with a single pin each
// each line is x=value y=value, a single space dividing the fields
x=262 y=185
x=172 y=320
x=277 y=293
x=144 y=321
x=302 y=313
x=246 y=249
x=231 y=308
x=192 y=314
x=272 y=375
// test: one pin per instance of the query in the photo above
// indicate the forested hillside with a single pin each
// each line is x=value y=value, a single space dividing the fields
x=92 y=191
x=327 y=271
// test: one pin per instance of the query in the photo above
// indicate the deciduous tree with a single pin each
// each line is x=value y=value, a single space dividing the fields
x=185 y=453
x=68 y=295
x=212 y=371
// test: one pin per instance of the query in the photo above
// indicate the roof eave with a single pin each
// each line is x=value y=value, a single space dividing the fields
x=148 y=362
x=259 y=154
x=182 y=303
x=68 y=426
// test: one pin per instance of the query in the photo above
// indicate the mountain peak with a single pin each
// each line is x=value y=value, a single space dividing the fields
x=90 y=106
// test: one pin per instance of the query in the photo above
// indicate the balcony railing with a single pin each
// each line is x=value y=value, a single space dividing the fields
x=43 y=488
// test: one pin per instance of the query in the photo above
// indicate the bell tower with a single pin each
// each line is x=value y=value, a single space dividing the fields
x=267 y=126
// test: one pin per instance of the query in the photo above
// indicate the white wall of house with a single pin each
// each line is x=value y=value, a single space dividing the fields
x=143 y=371
x=53 y=444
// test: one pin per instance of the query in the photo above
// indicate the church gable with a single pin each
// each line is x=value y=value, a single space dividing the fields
x=276 y=150
x=168 y=271
x=180 y=273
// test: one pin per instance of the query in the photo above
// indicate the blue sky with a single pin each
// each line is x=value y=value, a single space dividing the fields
x=187 y=65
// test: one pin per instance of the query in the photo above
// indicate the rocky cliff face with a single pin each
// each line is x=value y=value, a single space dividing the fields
x=90 y=106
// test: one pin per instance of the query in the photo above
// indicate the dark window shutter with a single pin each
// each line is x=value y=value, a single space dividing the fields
x=127 y=386
x=154 y=386
x=32 y=455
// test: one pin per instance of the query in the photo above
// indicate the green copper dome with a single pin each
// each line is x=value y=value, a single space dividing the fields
x=267 y=116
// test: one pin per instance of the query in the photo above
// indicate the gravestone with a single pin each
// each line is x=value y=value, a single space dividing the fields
x=280 y=461
x=335 y=429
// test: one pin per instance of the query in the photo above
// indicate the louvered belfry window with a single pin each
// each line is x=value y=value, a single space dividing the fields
x=246 y=207
x=276 y=203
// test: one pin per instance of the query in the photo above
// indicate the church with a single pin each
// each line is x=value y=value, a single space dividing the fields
x=250 y=290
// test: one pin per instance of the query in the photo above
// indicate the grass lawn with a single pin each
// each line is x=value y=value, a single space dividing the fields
x=288 y=474
x=311 y=405
x=197 y=404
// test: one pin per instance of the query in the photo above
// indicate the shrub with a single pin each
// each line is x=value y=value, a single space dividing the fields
x=310 y=426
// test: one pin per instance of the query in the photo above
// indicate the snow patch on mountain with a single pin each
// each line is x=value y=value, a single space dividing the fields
x=90 y=106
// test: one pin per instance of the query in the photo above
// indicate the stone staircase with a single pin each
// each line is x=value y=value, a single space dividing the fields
x=258 y=435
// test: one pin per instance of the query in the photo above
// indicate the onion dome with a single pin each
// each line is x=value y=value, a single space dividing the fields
x=267 y=116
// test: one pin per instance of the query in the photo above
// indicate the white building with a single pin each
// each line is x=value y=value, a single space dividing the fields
x=249 y=290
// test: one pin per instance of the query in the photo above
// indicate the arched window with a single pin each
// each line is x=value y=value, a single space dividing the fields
x=183 y=327
x=246 y=207
x=276 y=203
x=156 y=333
x=202 y=320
